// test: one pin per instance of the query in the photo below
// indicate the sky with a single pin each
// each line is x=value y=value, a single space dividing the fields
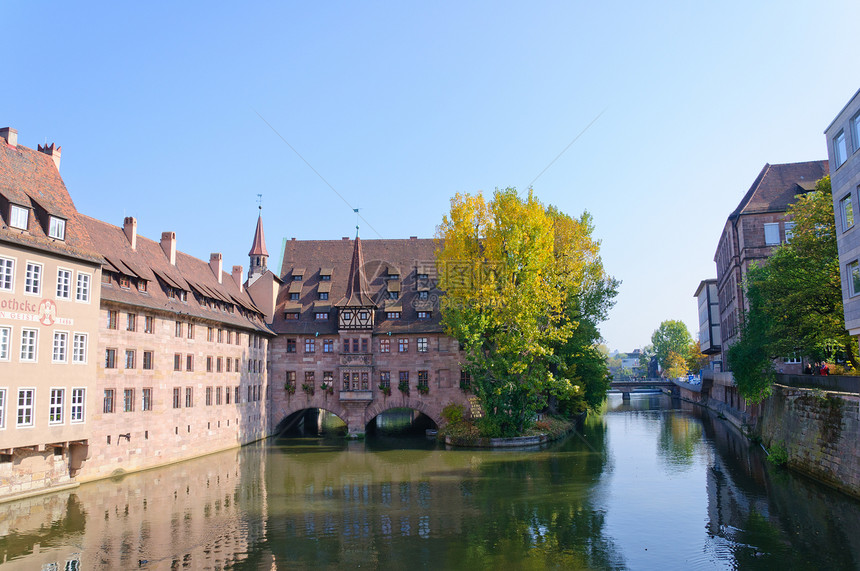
x=180 y=114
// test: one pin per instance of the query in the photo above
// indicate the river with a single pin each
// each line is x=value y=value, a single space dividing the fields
x=651 y=484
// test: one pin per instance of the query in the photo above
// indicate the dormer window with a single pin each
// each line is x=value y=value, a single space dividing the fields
x=124 y=282
x=424 y=294
x=294 y=297
x=57 y=228
x=393 y=295
x=325 y=278
x=18 y=216
x=423 y=276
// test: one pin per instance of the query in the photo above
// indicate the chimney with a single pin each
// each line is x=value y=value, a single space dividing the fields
x=53 y=152
x=216 y=265
x=168 y=244
x=11 y=136
x=129 y=226
x=237 y=277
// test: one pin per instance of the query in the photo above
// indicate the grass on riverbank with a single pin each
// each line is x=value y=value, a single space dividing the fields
x=464 y=432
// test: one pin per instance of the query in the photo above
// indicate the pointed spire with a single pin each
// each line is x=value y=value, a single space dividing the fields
x=356 y=288
x=259 y=246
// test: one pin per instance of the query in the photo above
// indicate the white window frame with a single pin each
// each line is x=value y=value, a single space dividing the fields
x=16 y=211
x=33 y=278
x=83 y=286
x=846 y=206
x=28 y=407
x=56 y=405
x=60 y=347
x=789 y=231
x=77 y=405
x=840 y=149
x=855 y=131
x=79 y=348
x=7 y=274
x=5 y=343
x=3 y=408
x=25 y=335
x=852 y=271
x=56 y=228
x=64 y=283
x=771 y=226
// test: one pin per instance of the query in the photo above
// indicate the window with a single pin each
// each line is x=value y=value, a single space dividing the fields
x=297 y=277
x=191 y=331
x=148 y=324
x=791 y=360
x=423 y=379
x=177 y=397
x=291 y=316
x=76 y=412
x=422 y=344
x=364 y=345
x=208 y=396
x=141 y=286
x=18 y=216
x=328 y=345
x=218 y=395
x=323 y=295
x=147 y=360
x=178 y=329
x=465 y=379
x=220 y=336
x=79 y=348
x=110 y=358
x=291 y=345
x=328 y=377
x=57 y=228
x=422 y=276
x=393 y=295
x=61 y=344
x=219 y=365
x=189 y=362
x=392 y=315
x=237 y=396
x=111 y=319
x=131 y=322
x=294 y=296
x=124 y=282
x=33 y=279
x=7 y=270
x=128 y=400
x=106 y=277
x=229 y=337
x=424 y=294
x=840 y=150
x=82 y=290
x=291 y=379
x=404 y=377
x=2 y=408
x=29 y=339
x=177 y=362
x=55 y=408
x=146 y=404
x=64 y=284
x=210 y=334
x=5 y=336
x=426 y=314
x=846 y=210
x=107 y=407
x=309 y=378
x=789 y=231
x=384 y=379
x=227 y=395
x=385 y=345
x=854 y=278
x=208 y=364
x=855 y=131
x=229 y=364
x=325 y=277
x=25 y=407
x=403 y=345
x=321 y=315
x=130 y=358
x=189 y=397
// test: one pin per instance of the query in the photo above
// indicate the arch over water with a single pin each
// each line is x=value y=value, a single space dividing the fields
x=378 y=408
x=290 y=418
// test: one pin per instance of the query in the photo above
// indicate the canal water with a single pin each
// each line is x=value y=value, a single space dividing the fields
x=650 y=484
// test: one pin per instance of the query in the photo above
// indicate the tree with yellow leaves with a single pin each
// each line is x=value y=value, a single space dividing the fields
x=525 y=289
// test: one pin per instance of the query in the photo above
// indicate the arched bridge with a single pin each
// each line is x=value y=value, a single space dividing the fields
x=627 y=387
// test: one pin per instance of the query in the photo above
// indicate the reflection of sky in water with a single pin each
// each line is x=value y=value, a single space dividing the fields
x=647 y=485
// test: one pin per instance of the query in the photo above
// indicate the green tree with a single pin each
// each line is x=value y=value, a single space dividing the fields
x=671 y=337
x=795 y=300
x=676 y=365
x=525 y=289
x=696 y=360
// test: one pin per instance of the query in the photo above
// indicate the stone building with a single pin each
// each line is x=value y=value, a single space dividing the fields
x=752 y=231
x=181 y=354
x=49 y=312
x=359 y=331
x=843 y=144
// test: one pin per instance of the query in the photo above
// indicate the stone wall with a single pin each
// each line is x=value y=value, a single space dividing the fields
x=818 y=431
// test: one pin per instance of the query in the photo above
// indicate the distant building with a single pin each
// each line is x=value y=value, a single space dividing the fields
x=843 y=144
x=709 y=322
x=752 y=231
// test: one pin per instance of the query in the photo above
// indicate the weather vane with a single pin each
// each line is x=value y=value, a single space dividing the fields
x=260 y=202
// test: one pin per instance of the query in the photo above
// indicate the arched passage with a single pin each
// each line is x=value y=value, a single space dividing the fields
x=399 y=419
x=311 y=421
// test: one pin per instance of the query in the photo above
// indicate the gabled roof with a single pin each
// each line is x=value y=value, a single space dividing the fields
x=258 y=248
x=356 y=283
x=776 y=187
x=30 y=179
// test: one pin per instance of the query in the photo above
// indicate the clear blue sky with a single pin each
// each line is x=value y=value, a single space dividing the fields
x=401 y=105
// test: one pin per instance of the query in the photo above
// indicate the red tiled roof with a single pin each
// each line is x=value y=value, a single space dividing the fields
x=30 y=178
x=777 y=186
x=258 y=248
x=356 y=282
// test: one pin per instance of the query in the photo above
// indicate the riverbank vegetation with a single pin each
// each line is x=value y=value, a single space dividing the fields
x=525 y=290
x=462 y=430
x=795 y=301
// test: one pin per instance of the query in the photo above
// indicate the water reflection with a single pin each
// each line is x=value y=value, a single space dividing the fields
x=652 y=483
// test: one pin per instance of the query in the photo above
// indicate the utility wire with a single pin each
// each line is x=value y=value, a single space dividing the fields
x=593 y=121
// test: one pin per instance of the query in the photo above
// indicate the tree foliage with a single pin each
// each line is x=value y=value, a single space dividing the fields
x=795 y=300
x=671 y=336
x=525 y=290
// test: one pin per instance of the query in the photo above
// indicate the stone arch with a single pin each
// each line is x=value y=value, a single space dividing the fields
x=296 y=406
x=378 y=407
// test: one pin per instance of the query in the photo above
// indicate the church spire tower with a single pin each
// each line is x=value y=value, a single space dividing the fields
x=259 y=255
